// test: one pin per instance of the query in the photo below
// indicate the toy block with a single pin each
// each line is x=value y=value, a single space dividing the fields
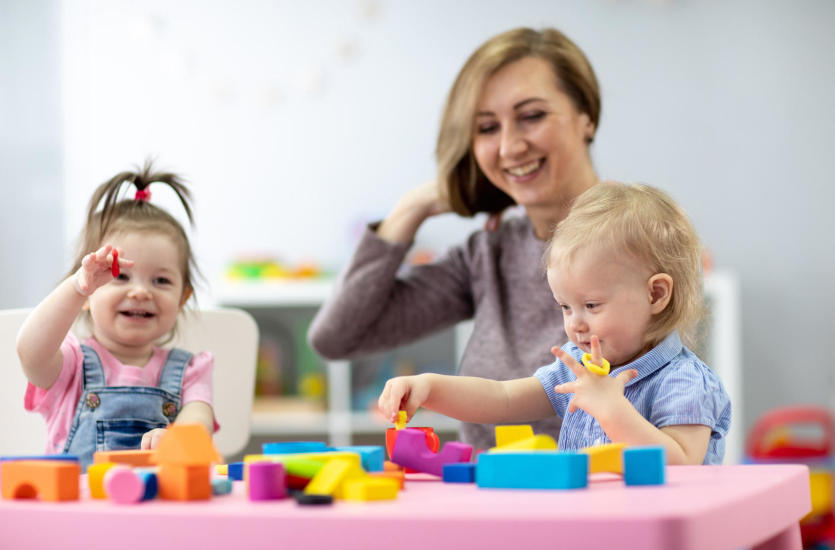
x=129 y=457
x=532 y=470
x=644 y=465
x=122 y=485
x=297 y=483
x=221 y=486
x=505 y=435
x=319 y=457
x=95 y=478
x=327 y=481
x=820 y=486
x=187 y=444
x=605 y=458
x=389 y=466
x=70 y=458
x=371 y=456
x=540 y=442
x=235 y=471
x=292 y=447
x=265 y=481
x=369 y=488
x=462 y=472
x=49 y=480
x=399 y=476
x=149 y=481
x=303 y=467
x=222 y=469
x=432 y=440
x=411 y=451
x=184 y=482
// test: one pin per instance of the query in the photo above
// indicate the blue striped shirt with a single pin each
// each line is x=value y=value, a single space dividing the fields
x=673 y=387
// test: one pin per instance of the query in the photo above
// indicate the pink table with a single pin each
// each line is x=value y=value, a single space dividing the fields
x=700 y=507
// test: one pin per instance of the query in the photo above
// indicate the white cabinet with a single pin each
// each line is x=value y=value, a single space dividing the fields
x=721 y=350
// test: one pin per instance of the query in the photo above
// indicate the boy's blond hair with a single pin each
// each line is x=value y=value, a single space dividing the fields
x=646 y=224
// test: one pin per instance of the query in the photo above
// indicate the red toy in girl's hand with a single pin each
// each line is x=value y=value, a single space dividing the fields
x=114 y=268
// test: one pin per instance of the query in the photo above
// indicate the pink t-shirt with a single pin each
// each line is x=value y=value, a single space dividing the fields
x=57 y=404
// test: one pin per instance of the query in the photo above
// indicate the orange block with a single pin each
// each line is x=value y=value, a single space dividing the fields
x=50 y=480
x=129 y=457
x=179 y=482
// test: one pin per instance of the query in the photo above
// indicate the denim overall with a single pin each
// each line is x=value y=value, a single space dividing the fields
x=110 y=418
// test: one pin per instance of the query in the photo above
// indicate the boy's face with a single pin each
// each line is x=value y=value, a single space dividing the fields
x=605 y=295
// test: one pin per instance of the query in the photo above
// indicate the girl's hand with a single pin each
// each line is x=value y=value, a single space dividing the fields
x=593 y=393
x=405 y=393
x=97 y=269
x=150 y=439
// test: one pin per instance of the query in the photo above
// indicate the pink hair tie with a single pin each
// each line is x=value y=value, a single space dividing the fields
x=142 y=195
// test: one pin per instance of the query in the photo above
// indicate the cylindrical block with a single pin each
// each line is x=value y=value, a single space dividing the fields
x=265 y=481
x=123 y=486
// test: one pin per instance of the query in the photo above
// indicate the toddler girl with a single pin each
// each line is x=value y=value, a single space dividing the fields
x=624 y=267
x=133 y=274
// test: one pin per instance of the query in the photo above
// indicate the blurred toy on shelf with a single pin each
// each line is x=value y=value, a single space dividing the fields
x=266 y=267
x=802 y=434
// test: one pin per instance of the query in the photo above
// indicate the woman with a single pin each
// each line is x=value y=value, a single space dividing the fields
x=516 y=129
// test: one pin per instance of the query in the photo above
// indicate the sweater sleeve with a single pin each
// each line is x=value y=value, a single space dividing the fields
x=378 y=305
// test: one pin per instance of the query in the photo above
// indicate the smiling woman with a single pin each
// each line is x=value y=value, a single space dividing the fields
x=516 y=129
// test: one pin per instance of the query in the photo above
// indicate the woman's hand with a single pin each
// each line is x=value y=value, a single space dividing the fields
x=406 y=393
x=595 y=394
x=97 y=269
x=420 y=203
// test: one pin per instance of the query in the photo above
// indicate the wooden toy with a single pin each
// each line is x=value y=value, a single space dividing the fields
x=605 y=458
x=122 y=485
x=532 y=470
x=644 y=465
x=462 y=472
x=332 y=475
x=265 y=481
x=369 y=488
x=50 y=480
x=95 y=478
x=130 y=457
x=506 y=435
x=539 y=442
x=411 y=451
x=185 y=454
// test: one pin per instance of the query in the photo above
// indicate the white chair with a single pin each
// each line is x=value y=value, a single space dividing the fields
x=230 y=334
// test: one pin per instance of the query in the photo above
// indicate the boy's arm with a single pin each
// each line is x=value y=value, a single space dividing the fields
x=40 y=336
x=467 y=398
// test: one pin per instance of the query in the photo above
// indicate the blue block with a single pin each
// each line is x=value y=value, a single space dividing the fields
x=644 y=465
x=532 y=470
x=293 y=447
x=221 y=485
x=371 y=456
x=149 y=480
x=459 y=472
x=71 y=458
x=235 y=470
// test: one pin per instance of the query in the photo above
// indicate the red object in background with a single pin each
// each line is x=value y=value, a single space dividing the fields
x=114 y=267
x=757 y=444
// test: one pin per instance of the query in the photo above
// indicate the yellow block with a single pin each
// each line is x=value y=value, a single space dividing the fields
x=605 y=458
x=95 y=478
x=369 y=488
x=508 y=434
x=536 y=443
x=401 y=420
x=328 y=479
x=222 y=469
x=820 y=484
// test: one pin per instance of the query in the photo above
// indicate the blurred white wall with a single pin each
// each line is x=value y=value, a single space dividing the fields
x=297 y=122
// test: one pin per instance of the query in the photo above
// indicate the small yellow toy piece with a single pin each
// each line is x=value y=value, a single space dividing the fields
x=602 y=370
x=605 y=458
x=541 y=442
x=331 y=476
x=401 y=420
x=95 y=478
x=505 y=435
x=369 y=488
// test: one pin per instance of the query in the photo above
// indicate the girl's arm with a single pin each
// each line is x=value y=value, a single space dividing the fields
x=193 y=412
x=467 y=398
x=40 y=336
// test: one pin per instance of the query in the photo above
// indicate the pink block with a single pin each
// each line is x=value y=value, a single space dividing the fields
x=123 y=486
x=410 y=450
x=266 y=481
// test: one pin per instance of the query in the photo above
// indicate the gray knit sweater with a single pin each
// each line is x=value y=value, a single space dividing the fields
x=495 y=278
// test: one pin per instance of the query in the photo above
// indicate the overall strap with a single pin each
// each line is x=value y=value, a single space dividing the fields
x=171 y=377
x=93 y=371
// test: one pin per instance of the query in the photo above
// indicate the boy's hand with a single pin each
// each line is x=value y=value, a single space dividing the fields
x=150 y=439
x=405 y=393
x=593 y=393
x=97 y=269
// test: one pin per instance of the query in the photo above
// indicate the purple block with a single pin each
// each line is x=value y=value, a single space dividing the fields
x=266 y=481
x=410 y=450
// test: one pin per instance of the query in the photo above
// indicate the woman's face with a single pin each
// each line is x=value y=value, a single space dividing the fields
x=528 y=138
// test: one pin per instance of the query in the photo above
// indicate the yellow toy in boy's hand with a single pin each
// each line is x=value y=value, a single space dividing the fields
x=602 y=370
x=401 y=420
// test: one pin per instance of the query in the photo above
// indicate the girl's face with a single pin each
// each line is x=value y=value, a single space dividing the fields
x=609 y=296
x=141 y=305
x=528 y=139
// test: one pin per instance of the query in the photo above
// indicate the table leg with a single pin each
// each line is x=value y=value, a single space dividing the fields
x=787 y=539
